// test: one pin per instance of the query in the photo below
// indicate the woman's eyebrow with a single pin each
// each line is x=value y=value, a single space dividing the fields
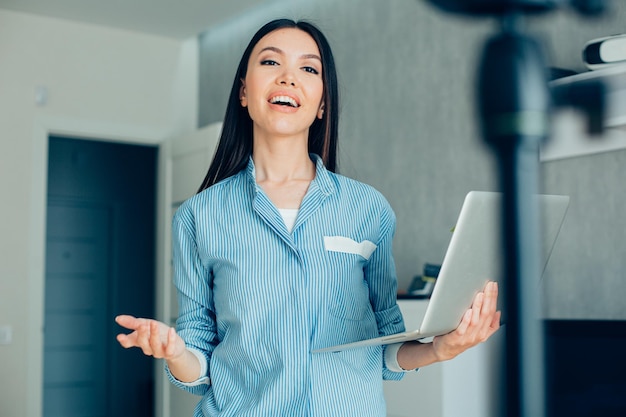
x=311 y=56
x=280 y=51
x=271 y=48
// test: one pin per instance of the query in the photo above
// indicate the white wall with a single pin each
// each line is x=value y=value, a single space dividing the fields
x=101 y=83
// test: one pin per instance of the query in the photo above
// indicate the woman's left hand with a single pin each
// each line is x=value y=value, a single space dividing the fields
x=477 y=325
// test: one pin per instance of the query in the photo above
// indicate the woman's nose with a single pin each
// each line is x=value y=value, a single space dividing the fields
x=287 y=78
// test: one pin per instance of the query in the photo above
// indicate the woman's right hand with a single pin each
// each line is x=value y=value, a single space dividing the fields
x=155 y=338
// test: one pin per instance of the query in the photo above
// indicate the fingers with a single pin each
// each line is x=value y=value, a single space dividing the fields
x=128 y=322
x=126 y=341
x=477 y=308
x=481 y=320
x=153 y=340
x=132 y=323
x=488 y=310
x=489 y=303
x=170 y=348
x=152 y=337
x=145 y=338
x=465 y=322
x=485 y=306
x=477 y=324
x=162 y=340
x=495 y=320
x=155 y=345
x=495 y=323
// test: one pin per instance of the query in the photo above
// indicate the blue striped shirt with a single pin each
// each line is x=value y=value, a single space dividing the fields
x=255 y=299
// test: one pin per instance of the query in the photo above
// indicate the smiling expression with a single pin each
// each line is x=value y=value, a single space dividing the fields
x=283 y=87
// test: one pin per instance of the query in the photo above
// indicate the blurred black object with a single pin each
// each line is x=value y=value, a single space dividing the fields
x=514 y=105
x=557 y=73
x=500 y=7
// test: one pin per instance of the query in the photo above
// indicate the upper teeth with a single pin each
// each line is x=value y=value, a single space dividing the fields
x=284 y=99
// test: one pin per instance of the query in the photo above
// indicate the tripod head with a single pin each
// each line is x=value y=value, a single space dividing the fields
x=512 y=62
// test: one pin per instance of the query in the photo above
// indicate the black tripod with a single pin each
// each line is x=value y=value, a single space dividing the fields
x=514 y=106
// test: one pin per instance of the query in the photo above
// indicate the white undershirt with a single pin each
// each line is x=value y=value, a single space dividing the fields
x=289 y=217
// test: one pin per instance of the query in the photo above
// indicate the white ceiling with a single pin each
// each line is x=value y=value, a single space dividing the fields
x=176 y=19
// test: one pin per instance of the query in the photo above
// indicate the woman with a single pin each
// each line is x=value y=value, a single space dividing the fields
x=277 y=255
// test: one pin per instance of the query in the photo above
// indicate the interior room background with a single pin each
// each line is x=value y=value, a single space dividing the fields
x=407 y=127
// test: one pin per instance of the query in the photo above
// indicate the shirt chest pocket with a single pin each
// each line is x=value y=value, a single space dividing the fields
x=348 y=294
x=341 y=244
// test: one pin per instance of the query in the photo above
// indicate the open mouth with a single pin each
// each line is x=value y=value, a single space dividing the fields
x=284 y=101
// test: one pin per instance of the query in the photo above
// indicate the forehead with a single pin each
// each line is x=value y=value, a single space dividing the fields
x=289 y=41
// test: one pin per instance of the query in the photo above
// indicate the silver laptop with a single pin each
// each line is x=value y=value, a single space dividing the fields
x=473 y=258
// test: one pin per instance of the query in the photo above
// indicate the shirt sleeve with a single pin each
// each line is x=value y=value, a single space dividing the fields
x=380 y=274
x=391 y=358
x=196 y=323
x=204 y=379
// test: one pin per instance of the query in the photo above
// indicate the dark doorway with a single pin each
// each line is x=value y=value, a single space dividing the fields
x=100 y=257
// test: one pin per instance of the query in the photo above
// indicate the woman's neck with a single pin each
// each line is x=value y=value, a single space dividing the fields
x=283 y=170
x=282 y=159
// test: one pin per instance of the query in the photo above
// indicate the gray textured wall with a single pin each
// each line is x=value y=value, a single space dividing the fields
x=406 y=74
x=586 y=276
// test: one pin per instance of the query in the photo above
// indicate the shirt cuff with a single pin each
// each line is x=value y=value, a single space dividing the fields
x=204 y=378
x=391 y=358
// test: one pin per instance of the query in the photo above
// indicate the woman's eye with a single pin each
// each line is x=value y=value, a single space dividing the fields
x=269 y=62
x=311 y=70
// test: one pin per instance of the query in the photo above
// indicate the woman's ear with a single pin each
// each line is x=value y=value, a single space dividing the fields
x=320 y=112
x=242 y=94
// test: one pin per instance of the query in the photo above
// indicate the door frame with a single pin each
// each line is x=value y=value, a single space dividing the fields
x=92 y=130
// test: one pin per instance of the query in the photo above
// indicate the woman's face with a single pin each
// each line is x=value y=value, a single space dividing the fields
x=283 y=88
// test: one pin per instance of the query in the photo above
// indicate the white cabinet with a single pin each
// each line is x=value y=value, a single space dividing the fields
x=465 y=386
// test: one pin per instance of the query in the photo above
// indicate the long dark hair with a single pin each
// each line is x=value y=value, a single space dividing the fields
x=235 y=144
